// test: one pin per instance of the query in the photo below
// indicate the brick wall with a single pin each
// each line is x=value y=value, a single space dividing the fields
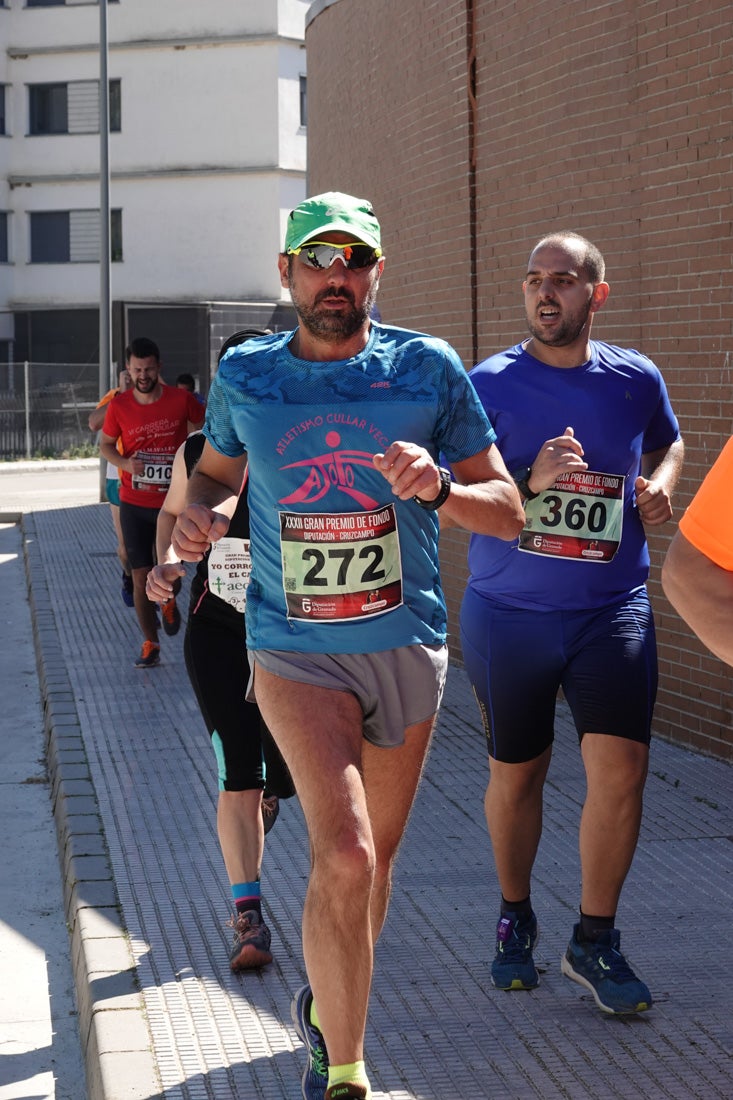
x=387 y=119
x=615 y=120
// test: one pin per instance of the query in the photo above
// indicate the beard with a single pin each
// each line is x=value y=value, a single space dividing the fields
x=145 y=385
x=568 y=332
x=329 y=324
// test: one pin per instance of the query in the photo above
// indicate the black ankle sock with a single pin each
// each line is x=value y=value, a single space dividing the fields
x=248 y=905
x=592 y=928
x=522 y=909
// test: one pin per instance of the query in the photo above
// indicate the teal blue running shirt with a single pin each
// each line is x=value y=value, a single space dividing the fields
x=339 y=564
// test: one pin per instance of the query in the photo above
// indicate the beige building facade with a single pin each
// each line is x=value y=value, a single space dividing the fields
x=207 y=155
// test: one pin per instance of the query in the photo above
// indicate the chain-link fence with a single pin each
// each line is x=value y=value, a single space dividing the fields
x=44 y=409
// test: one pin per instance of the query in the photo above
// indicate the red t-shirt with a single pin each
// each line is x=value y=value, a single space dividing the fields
x=154 y=432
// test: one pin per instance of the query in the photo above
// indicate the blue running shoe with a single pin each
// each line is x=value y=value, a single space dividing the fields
x=602 y=969
x=128 y=597
x=315 y=1076
x=513 y=966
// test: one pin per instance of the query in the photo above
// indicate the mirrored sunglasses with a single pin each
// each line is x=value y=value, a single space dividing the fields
x=321 y=254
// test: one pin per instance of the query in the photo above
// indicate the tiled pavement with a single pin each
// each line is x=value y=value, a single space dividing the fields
x=161 y=1015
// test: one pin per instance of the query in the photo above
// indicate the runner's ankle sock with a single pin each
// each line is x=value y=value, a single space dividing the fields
x=592 y=928
x=354 y=1074
x=521 y=909
x=247 y=896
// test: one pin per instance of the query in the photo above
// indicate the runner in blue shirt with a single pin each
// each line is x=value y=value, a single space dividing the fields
x=565 y=605
x=342 y=422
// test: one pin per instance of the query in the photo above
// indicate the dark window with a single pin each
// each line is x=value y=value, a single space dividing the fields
x=303 y=101
x=50 y=237
x=72 y=108
x=49 y=112
x=72 y=236
x=49 y=3
x=2 y=109
x=115 y=106
x=3 y=237
x=115 y=235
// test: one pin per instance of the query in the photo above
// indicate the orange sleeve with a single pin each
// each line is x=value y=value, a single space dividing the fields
x=708 y=522
x=106 y=399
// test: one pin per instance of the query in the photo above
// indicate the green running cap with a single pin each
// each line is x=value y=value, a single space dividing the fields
x=329 y=212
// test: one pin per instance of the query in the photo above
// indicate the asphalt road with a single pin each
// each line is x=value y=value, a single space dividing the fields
x=38 y=486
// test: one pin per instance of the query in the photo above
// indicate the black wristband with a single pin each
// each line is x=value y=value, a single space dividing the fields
x=521 y=480
x=445 y=484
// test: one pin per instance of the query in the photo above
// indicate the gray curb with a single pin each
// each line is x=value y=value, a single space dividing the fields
x=24 y=466
x=113 y=1028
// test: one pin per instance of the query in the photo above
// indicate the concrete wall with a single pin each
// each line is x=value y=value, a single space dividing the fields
x=480 y=126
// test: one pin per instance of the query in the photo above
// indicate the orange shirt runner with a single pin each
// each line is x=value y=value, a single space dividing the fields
x=708 y=521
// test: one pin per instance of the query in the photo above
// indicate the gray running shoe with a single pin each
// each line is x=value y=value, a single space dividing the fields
x=251 y=947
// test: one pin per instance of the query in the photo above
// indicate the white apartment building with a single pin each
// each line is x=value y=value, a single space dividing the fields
x=207 y=154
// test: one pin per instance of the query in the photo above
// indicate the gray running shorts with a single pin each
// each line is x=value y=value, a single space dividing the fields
x=396 y=688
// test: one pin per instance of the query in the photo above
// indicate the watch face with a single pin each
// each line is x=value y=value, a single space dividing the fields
x=522 y=473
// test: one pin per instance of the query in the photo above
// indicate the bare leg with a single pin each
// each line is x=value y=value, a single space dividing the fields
x=513 y=806
x=319 y=732
x=241 y=833
x=391 y=778
x=144 y=609
x=121 y=549
x=616 y=771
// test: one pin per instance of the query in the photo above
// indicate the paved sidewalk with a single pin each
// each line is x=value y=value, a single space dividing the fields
x=147 y=900
x=39 y=1039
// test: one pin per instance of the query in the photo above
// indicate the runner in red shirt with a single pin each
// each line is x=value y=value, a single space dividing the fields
x=151 y=420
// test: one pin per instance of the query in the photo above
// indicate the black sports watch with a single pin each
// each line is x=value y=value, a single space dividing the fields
x=445 y=484
x=521 y=478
